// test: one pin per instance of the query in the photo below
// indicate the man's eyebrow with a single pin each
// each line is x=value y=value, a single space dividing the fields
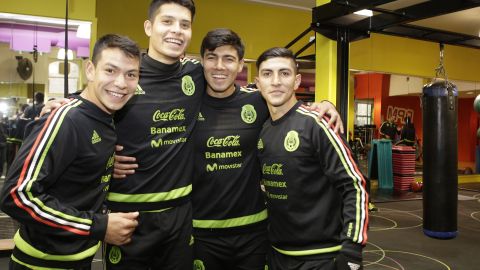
x=111 y=65
x=212 y=53
x=175 y=18
x=134 y=70
x=230 y=55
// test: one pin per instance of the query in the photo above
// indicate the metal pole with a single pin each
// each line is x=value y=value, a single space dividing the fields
x=342 y=74
x=298 y=37
x=65 y=60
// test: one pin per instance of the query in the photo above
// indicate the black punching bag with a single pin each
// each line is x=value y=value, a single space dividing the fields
x=440 y=180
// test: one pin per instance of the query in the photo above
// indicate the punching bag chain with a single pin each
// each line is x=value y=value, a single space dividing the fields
x=440 y=70
x=441 y=73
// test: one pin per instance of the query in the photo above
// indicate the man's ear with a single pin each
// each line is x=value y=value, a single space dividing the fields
x=147 y=26
x=298 y=80
x=240 y=67
x=90 y=71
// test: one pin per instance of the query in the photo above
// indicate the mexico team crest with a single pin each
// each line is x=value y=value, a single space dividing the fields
x=188 y=86
x=249 y=115
x=115 y=255
x=292 y=141
x=198 y=265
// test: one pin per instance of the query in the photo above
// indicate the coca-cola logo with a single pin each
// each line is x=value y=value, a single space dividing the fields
x=173 y=115
x=275 y=169
x=232 y=140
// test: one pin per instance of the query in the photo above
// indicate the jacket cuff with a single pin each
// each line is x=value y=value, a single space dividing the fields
x=352 y=250
x=99 y=226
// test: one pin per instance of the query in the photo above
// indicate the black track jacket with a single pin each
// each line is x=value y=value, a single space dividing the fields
x=226 y=188
x=316 y=198
x=57 y=185
x=154 y=127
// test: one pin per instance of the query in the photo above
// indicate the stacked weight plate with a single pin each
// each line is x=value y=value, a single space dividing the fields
x=403 y=161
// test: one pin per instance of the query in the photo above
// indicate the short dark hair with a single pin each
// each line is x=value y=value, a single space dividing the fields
x=156 y=4
x=23 y=107
x=277 y=52
x=222 y=37
x=125 y=44
x=39 y=97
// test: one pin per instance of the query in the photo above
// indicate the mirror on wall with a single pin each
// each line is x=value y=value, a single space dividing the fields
x=380 y=97
x=32 y=50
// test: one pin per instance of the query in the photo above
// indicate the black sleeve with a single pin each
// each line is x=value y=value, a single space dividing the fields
x=39 y=164
x=340 y=166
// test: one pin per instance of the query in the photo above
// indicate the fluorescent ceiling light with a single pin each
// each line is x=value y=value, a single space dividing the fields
x=364 y=12
x=275 y=3
x=83 y=31
x=38 y=19
x=3 y=107
x=61 y=54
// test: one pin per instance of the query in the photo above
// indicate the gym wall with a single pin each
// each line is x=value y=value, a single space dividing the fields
x=397 y=55
x=260 y=26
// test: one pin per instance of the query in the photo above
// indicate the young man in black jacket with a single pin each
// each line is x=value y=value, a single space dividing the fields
x=154 y=130
x=57 y=184
x=316 y=198
x=229 y=213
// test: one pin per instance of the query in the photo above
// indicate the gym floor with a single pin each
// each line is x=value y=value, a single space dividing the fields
x=396 y=240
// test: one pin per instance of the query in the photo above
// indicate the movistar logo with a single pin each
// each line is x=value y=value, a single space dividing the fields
x=249 y=115
x=215 y=167
x=275 y=169
x=212 y=167
x=139 y=90
x=161 y=142
x=188 y=86
x=173 y=115
x=232 y=140
x=96 y=138
x=292 y=141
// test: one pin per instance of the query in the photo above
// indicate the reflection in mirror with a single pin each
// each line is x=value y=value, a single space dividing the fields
x=395 y=98
x=28 y=47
